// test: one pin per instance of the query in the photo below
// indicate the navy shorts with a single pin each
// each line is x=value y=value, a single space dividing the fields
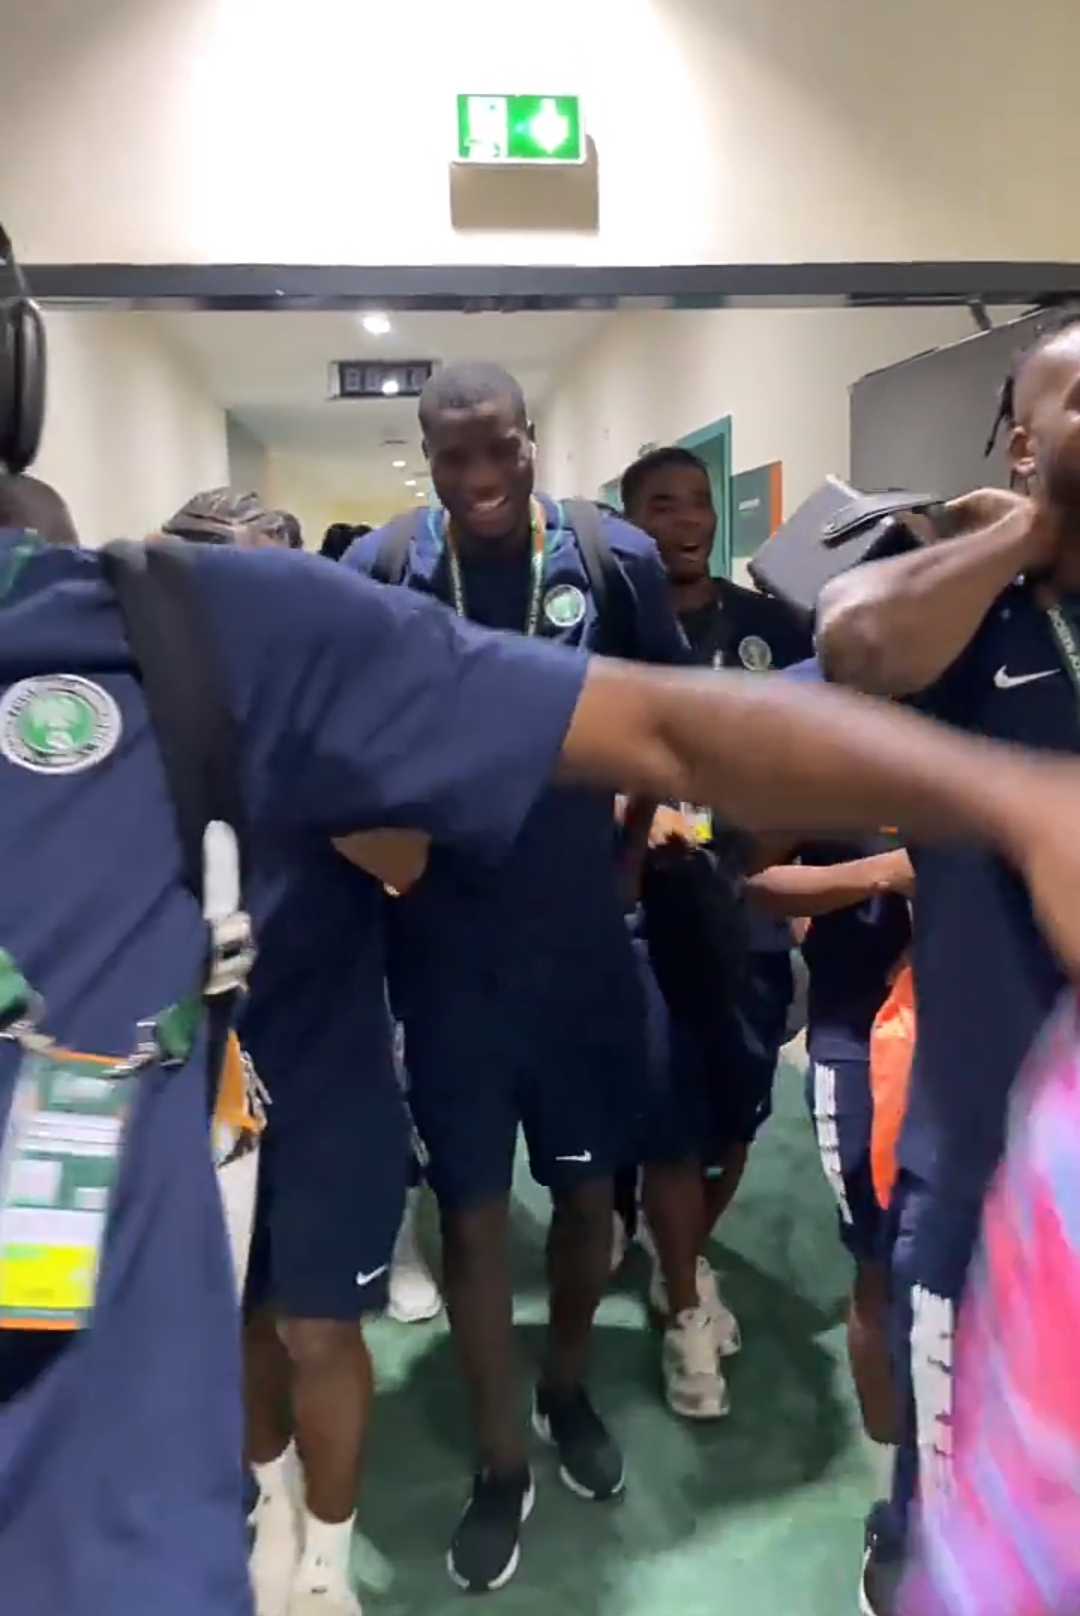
x=839 y=1100
x=475 y=1079
x=330 y=1200
x=700 y=1111
x=932 y=1241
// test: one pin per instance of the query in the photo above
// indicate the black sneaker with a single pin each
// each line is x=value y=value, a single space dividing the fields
x=485 y=1550
x=590 y=1463
x=882 y=1571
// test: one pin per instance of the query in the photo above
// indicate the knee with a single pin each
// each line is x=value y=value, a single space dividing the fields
x=586 y=1207
x=475 y=1232
x=316 y=1345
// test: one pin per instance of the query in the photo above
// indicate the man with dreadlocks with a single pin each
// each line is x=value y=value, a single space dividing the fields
x=982 y=631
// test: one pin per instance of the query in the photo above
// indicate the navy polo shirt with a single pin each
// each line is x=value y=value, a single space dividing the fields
x=542 y=934
x=984 y=978
x=120 y=1463
x=851 y=954
x=741 y=628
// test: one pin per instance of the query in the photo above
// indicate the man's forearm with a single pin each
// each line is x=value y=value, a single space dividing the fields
x=893 y=627
x=793 y=891
x=773 y=755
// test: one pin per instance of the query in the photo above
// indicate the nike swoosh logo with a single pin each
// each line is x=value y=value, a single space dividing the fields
x=376 y=1273
x=586 y=1156
x=1004 y=680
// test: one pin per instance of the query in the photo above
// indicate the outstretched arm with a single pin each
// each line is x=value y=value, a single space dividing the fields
x=775 y=755
x=804 y=891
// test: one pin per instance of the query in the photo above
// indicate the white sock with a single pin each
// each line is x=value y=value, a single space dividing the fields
x=273 y=1477
x=327 y=1550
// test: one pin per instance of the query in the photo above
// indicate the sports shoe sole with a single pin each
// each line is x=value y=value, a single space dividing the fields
x=542 y=1426
x=415 y=1315
x=702 y=1415
x=509 y=1570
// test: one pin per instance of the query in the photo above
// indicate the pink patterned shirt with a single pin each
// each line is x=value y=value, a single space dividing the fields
x=1004 y=1539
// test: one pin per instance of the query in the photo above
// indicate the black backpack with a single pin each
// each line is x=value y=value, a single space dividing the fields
x=697 y=930
x=198 y=738
x=607 y=582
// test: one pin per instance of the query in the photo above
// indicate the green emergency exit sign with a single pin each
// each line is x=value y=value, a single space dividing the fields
x=520 y=129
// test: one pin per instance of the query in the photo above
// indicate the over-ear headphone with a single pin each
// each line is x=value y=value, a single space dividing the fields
x=22 y=366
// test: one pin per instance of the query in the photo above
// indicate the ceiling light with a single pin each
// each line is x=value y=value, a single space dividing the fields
x=398 y=465
x=391 y=386
x=420 y=494
x=376 y=325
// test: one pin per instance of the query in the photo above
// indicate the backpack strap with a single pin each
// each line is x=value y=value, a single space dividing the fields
x=607 y=581
x=392 y=561
x=200 y=745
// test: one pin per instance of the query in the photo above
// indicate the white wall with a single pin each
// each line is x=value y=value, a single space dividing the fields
x=321 y=489
x=740 y=130
x=782 y=374
x=249 y=460
x=128 y=435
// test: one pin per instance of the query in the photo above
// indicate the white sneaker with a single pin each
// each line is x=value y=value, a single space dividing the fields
x=725 y=1325
x=693 y=1381
x=275 y=1551
x=321 y=1591
x=414 y=1295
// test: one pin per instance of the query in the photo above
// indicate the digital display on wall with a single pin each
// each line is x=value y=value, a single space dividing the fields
x=369 y=378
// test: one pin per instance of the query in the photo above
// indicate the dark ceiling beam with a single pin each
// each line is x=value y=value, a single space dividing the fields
x=464 y=288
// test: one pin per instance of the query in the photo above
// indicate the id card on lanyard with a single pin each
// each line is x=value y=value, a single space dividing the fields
x=59 y=1163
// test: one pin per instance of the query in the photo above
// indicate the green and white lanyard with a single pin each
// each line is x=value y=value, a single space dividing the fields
x=538 y=548
x=1067 y=644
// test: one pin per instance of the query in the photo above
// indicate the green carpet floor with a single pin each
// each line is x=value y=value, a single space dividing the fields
x=759 y=1514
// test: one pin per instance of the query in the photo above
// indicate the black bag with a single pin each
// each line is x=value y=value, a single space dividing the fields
x=196 y=732
x=607 y=583
x=697 y=929
x=832 y=531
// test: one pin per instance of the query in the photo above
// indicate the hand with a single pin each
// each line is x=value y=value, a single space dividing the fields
x=892 y=872
x=670 y=825
x=396 y=858
x=983 y=507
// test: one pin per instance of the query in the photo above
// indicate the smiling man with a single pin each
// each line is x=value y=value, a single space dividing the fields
x=517 y=987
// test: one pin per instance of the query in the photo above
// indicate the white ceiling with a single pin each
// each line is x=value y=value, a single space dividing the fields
x=271 y=372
